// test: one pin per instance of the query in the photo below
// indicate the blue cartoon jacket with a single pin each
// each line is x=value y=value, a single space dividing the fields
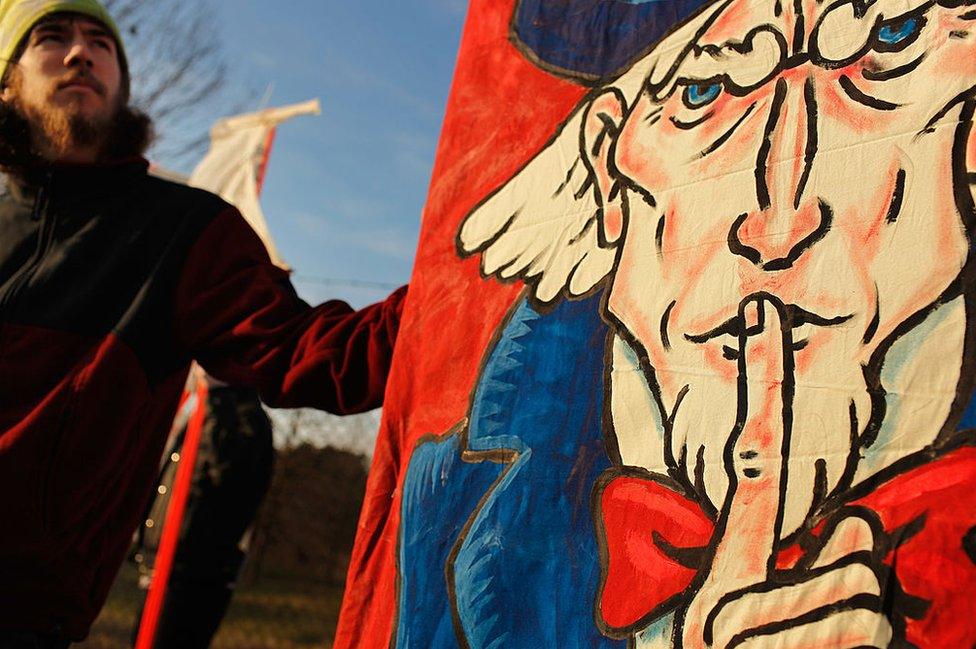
x=497 y=545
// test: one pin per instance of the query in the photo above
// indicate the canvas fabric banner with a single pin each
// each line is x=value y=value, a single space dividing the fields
x=688 y=356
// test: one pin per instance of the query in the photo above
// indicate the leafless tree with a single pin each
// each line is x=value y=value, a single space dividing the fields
x=306 y=526
x=179 y=73
x=353 y=433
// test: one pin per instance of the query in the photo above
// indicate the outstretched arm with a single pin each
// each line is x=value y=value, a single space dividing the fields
x=238 y=315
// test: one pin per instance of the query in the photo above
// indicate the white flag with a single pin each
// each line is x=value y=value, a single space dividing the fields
x=232 y=165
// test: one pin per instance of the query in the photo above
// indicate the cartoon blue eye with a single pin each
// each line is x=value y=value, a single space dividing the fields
x=700 y=94
x=896 y=35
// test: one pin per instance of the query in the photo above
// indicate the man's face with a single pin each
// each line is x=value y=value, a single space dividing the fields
x=803 y=151
x=68 y=77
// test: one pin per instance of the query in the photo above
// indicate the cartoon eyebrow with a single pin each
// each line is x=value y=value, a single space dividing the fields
x=848 y=29
x=687 y=126
x=893 y=73
x=742 y=64
x=863 y=98
x=721 y=139
x=661 y=79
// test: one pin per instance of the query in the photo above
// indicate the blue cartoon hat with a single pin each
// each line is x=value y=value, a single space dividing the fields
x=591 y=40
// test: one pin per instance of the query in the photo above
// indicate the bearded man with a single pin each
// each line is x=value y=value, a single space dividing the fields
x=111 y=281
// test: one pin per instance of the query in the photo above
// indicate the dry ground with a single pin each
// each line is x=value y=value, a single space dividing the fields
x=269 y=614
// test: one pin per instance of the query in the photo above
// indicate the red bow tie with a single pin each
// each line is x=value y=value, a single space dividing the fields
x=647 y=526
x=655 y=538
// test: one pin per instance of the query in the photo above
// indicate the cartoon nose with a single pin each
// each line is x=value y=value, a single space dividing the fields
x=777 y=243
x=787 y=222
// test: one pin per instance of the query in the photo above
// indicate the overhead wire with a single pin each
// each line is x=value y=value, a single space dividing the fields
x=341 y=281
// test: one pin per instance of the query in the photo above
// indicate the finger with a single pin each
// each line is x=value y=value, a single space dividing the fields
x=854 y=584
x=853 y=534
x=842 y=630
x=753 y=512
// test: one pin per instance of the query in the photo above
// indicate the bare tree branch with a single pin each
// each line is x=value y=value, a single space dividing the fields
x=179 y=75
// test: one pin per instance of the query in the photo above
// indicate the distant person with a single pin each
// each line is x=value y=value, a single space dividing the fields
x=111 y=281
x=231 y=476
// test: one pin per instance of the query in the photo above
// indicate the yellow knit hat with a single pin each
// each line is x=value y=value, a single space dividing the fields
x=17 y=17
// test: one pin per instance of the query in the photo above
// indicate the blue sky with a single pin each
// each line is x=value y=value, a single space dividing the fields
x=344 y=190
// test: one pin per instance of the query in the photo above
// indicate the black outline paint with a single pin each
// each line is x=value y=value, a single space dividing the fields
x=893 y=73
x=810 y=148
x=897 y=197
x=762 y=157
x=724 y=137
x=665 y=340
x=861 y=97
x=736 y=247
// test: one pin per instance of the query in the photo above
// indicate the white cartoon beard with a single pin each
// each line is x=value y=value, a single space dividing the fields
x=820 y=445
x=920 y=378
x=820 y=441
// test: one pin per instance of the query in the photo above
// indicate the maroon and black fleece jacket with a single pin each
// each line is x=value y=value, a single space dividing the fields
x=111 y=281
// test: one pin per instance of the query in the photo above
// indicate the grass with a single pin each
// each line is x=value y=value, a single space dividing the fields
x=272 y=613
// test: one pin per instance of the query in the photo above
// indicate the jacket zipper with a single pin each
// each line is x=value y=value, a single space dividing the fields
x=44 y=239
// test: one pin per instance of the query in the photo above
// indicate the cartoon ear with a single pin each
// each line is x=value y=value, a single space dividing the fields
x=543 y=224
x=601 y=126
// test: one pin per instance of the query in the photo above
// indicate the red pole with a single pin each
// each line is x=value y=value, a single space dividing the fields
x=265 y=156
x=163 y=565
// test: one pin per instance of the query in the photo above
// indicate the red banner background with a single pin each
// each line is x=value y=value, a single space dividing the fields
x=500 y=111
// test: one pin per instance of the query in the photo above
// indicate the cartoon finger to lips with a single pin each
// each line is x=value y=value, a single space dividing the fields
x=778 y=198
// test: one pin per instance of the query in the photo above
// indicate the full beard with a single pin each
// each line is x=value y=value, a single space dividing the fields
x=31 y=138
x=59 y=130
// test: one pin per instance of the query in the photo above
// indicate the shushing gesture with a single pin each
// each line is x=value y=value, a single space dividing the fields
x=740 y=601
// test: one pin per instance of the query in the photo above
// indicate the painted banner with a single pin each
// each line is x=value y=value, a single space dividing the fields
x=688 y=358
